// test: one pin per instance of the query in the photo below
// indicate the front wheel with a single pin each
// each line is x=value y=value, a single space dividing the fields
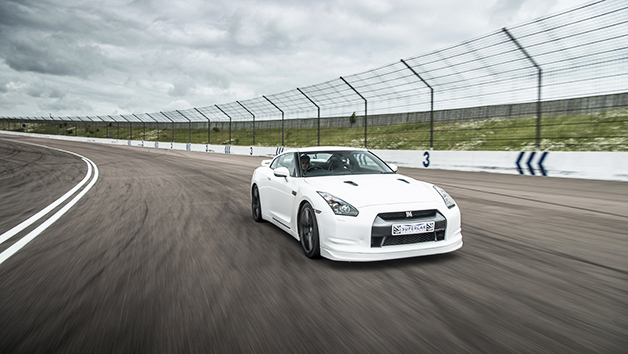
x=256 y=205
x=308 y=232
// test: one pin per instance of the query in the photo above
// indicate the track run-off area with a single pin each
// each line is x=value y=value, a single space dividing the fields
x=160 y=254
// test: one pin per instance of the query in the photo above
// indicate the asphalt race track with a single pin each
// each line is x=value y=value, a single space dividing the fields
x=162 y=256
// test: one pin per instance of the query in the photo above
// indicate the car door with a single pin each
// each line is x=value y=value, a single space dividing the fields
x=262 y=179
x=282 y=190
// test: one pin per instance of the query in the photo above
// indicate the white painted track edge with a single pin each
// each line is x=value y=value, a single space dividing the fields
x=31 y=235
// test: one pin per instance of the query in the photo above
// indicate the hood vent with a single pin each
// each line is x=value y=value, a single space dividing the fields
x=351 y=183
x=403 y=180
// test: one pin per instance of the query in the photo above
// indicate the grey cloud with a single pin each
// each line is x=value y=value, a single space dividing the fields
x=67 y=104
x=41 y=89
x=504 y=10
x=19 y=14
x=181 y=89
x=54 y=55
x=56 y=93
x=84 y=20
x=140 y=55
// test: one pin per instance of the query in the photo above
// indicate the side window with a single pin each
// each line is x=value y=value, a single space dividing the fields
x=275 y=163
x=287 y=161
x=290 y=163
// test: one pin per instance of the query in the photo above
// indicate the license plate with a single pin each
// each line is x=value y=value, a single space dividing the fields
x=408 y=229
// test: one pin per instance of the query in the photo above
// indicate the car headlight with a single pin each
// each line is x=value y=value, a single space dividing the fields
x=339 y=206
x=449 y=201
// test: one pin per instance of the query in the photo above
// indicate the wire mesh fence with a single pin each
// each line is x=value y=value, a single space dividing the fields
x=555 y=83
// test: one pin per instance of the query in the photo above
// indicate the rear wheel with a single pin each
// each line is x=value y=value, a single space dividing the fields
x=308 y=232
x=256 y=204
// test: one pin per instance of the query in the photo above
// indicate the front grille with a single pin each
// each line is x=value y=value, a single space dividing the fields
x=416 y=214
x=410 y=239
x=381 y=232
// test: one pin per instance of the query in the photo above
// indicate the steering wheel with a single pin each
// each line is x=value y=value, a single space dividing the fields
x=312 y=168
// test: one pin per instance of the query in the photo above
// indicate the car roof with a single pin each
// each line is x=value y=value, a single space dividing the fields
x=325 y=148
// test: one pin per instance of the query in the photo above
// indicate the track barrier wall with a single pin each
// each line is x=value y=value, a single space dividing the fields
x=611 y=166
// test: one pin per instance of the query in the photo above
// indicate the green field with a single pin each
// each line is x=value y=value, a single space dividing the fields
x=601 y=132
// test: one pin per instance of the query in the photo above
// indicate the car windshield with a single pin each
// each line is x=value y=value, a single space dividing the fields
x=331 y=163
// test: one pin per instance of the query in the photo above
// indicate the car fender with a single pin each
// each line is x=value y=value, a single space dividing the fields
x=307 y=194
x=259 y=178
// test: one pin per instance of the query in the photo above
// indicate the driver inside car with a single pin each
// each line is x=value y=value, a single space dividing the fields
x=305 y=162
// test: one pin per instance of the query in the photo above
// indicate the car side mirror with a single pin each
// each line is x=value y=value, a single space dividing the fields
x=281 y=172
x=393 y=167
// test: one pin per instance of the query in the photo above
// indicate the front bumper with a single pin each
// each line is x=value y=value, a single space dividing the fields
x=346 y=238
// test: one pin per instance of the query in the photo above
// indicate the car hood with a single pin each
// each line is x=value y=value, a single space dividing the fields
x=365 y=190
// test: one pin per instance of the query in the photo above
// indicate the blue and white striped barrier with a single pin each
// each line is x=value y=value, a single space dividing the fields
x=530 y=162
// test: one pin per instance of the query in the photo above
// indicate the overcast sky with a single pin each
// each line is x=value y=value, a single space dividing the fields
x=116 y=57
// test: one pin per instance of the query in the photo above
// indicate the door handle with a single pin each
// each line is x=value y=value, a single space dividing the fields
x=294 y=193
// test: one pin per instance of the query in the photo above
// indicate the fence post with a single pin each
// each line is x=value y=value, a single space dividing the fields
x=229 y=122
x=84 y=126
x=189 y=127
x=431 y=104
x=118 y=123
x=49 y=124
x=208 y=123
x=540 y=76
x=86 y=129
x=282 y=119
x=144 y=126
x=75 y=126
x=29 y=122
x=107 y=128
x=163 y=114
x=253 y=120
x=95 y=130
x=318 y=120
x=151 y=117
x=365 y=114
x=35 y=121
x=130 y=126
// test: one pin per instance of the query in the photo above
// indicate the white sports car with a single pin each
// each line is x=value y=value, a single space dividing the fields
x=347 y=204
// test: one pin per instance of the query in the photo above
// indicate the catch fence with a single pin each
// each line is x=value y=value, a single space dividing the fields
x=555 y=83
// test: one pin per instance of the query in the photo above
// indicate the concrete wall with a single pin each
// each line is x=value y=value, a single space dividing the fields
x=590 y=165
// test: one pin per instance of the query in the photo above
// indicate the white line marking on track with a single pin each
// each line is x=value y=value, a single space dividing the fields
x=26 y=223
x=31 y=235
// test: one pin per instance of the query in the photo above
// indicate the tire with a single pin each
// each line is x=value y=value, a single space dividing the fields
x=308 y=232
x=256 y=205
